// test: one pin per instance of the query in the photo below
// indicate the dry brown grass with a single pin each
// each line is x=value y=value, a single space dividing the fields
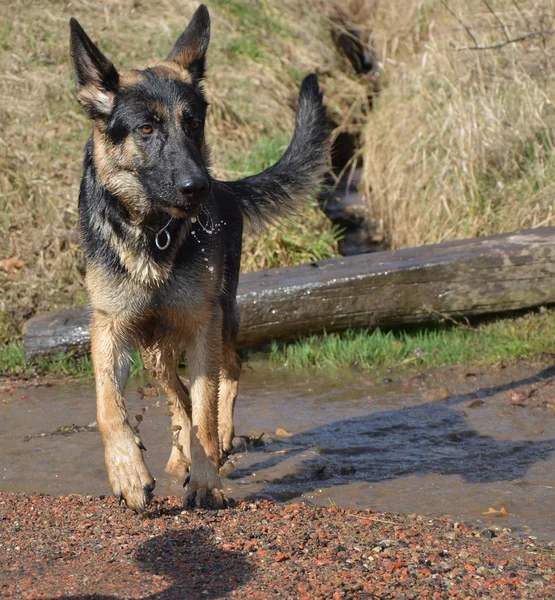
x=461 y=142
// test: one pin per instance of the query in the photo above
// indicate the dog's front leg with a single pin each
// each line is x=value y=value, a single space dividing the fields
x=229 y=386
x=127 y=472
x=162 y=363
x=204 y=357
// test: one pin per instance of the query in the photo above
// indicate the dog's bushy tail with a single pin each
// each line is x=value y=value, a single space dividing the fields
x=278 y=190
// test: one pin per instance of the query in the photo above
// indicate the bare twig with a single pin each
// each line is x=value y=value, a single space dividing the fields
x=508 y=39
x=467 y=29
x=503 y=26
x=466 y=325
x=521 y=38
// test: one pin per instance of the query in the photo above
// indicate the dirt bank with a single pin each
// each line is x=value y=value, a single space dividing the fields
x=88 y=547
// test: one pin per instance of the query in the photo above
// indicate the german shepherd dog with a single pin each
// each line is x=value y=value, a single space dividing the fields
x=162 y=245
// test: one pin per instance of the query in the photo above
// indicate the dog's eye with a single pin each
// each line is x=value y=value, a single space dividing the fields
x=146 y=129
x=195 y=124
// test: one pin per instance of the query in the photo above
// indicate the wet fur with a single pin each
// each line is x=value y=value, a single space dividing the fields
x=181 y=298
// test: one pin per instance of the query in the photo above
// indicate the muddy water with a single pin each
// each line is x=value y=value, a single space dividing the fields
x=452 y=448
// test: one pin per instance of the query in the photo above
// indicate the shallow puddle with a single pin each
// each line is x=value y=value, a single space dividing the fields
x=388 y=447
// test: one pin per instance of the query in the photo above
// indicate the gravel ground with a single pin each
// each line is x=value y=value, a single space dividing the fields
x=88 y=547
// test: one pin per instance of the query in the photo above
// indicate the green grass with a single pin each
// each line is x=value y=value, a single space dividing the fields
x=245 y=46
x=252 y=16
x=530 y=336
x=264 y=154
x=65 y=364
x=254 y=22
x=501 y=340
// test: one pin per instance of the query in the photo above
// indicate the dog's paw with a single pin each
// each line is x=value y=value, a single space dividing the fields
x=177 y=467
x=129 y=476
x=205 y=498
x=136 y=499
x=134 y=489
x=226 y=434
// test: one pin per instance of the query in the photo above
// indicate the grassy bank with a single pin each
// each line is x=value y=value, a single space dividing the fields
x=530 y=336
x=500 y=340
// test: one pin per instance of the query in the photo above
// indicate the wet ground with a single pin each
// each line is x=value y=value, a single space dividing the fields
x=451 y=443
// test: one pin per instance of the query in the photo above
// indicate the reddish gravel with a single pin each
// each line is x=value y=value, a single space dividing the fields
x=87 y=547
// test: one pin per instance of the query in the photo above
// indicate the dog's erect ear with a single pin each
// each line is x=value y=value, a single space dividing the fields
x=190 y=49
x=96 y=77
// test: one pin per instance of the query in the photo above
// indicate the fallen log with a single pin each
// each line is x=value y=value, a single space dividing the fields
x=453 y=279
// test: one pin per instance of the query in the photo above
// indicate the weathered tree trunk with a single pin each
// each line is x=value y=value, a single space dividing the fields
x=461 y=278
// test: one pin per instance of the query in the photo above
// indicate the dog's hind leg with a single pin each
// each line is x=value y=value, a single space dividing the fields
x=129 y=477
x=204 y=357
x=163 y=366
x=229 y=386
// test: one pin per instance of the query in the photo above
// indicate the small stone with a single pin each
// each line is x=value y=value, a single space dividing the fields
x=280 y=432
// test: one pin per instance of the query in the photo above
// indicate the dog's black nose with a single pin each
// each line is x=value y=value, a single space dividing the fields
x=193 y=188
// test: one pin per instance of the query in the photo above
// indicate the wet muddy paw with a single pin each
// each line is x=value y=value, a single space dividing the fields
x=226 y=435
x=129 y=476
x=136 y=498
x=205 y=498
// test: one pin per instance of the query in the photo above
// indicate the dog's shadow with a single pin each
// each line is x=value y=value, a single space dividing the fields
x=189 y=559
x=433 y=437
